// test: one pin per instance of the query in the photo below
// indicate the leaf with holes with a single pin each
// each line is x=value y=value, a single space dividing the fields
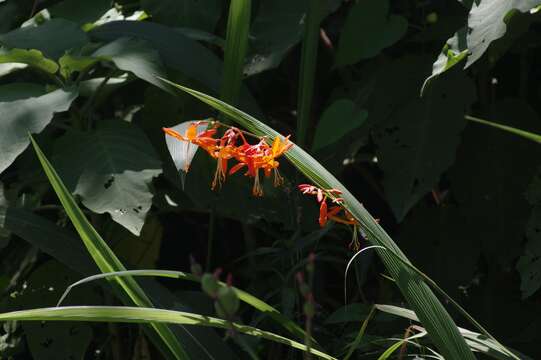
x=418 y=139
x=23 y=115
x=119 y=164
x=529 y=264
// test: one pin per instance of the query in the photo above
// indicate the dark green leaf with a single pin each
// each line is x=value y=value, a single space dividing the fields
x=29 y=115
x=198 y=14
x=417 y=138
x=368 y=30
x=81 y=12
x=339 y=119
x=134 y=56
x=53 y=38
x=119 y=165
x=187 y=57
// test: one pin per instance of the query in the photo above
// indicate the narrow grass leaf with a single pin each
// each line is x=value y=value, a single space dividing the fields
x=360 y=335
x=147 y=315
x=439 y=324
x=308 y=69
x=249 y=299
x=512 y=130
x=103 y=256
x=238 y=25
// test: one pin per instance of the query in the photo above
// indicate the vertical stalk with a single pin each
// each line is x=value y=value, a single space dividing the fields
x=236 y=45
x=308 y=69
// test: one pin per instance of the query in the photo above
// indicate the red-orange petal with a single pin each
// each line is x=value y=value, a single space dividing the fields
x=323 y=214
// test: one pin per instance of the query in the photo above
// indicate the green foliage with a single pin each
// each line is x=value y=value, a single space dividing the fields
x=444 y=154
x=368 y=29
x=28 y=114
x=123 y=164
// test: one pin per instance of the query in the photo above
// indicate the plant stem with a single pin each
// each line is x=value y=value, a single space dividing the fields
x=307 y=71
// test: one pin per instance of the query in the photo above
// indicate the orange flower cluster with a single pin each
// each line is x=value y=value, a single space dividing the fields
x=233 y=145
x=327 y=213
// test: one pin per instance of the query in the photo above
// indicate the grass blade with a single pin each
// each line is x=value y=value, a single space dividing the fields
x=238 y=26
x=360 y=335
x=147 y=315
x=103 y=256
x=308 y=69
x=439 y=324
x=255 y=302
x=512 y=130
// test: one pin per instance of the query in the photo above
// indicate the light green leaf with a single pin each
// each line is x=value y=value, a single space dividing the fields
x=53 y=38
x=368 y=30
x=106 y=260
x=476 y=341
x=29 y=115
x=31 y=57
x=243 y=295
x=70 y=64
x=340 y=118
x=119 y=165
x=440 y=326
x=486 y=22
x=147 y=315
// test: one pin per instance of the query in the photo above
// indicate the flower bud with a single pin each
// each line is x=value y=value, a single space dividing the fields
x=210 y=285
x=227 y=302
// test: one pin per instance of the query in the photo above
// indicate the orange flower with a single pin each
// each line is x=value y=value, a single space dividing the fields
x=255 y=157
x=326 y=213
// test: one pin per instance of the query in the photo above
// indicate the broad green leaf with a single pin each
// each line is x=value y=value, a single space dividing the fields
x=104 y=257
x=134 y=56
x=197 y=14
x=412 y=151
x=148 y=315
x=33 y=58
x=368 y=30
x=433 y=315
x=19 y=91
x=276 y=28
x=255 y=302
x=201 y=65
x=28 y=115
x=486 y=22
x=488 y=181
x=115 y=177
x=81 y=12
x=529 y=264
x=340 y=118
x=53 y=38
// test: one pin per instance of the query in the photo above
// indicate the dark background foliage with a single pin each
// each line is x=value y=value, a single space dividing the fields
x=461 y=199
